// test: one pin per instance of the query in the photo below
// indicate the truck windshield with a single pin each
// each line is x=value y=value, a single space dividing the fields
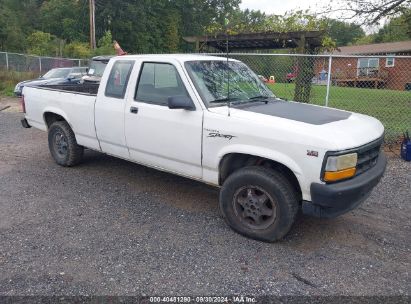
x=220 y=81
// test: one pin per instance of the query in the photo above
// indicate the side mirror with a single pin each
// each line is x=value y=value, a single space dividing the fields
x=181 y=102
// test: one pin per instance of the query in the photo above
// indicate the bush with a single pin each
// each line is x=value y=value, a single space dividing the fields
x=9 y=79
x=77 y=50
x=40 y=43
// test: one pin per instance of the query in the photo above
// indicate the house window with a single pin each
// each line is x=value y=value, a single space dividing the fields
x=368 y=67
x=390 y=61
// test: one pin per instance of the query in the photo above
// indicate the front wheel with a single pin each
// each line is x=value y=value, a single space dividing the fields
x=259 y=203
x=63 y=145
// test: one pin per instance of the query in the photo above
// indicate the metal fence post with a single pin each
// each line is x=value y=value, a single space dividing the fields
x=7 y=61
x=330 y=61
x=40 y=64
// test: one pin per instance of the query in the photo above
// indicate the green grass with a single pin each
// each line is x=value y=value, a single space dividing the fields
x=392 y=108
x=9 y=79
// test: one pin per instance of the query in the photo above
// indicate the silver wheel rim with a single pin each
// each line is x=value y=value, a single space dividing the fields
x=60 y=142
x=254 y=207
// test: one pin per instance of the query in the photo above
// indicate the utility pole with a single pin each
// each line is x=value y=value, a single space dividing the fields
x=92 y=8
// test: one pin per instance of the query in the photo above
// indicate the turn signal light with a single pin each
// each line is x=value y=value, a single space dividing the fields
x=339 y=175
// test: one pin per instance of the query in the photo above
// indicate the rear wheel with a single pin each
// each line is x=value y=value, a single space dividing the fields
x=259 y=203
x=63 y=145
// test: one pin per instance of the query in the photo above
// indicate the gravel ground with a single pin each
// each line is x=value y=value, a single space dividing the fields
x=110 y=227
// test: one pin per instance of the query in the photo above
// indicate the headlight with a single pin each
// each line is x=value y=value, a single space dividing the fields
x=340 y=167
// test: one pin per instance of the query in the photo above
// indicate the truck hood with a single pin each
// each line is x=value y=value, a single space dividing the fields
x=331 y=128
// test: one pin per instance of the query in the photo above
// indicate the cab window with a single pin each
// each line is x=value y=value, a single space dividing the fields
x=118 y=79
x=158 y=82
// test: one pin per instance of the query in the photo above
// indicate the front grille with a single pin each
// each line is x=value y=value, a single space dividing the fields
x=368 y=156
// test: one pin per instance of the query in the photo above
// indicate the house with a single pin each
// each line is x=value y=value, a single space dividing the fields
x=353 y=66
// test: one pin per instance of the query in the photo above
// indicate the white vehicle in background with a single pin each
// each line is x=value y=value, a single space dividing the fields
x=178 y=114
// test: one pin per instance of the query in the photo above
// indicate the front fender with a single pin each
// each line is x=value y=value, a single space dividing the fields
x=261 y=152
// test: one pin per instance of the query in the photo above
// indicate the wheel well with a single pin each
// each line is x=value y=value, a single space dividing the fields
x=234 y=161
x=50 y=117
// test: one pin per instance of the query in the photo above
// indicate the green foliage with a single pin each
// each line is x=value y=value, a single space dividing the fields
x=344 y=33
x=12 y=37
x=9 y=79
x=156 y=26
x=254 y=21
x=40 y=43
x=139 y=26
x=397 y=29
x=171 y=35
x=77 y=50
x=105 y=45
x=66 y=19
x=369 y=39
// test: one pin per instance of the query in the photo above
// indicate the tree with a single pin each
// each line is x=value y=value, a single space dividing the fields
x=65 y=19
x=344 y=33
x=105 y=45
x=77 y=50
x=12 y=36
x=373 y=11
x=40 y=43
x=397 y=29
x=172 y=36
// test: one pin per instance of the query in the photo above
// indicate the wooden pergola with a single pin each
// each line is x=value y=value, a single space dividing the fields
x=302 y=40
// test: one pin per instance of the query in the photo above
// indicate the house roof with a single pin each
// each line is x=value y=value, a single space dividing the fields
x=378 y=48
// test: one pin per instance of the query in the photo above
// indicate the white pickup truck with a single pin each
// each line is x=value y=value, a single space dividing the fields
x=213 y=120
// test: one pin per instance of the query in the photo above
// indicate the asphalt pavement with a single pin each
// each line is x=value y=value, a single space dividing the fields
x=111 y=227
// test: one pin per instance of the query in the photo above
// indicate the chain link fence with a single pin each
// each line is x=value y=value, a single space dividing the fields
x=379 y=86
x=36 y=64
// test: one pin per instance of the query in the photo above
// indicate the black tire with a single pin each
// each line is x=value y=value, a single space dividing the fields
x=63 y=145
x=247 y=214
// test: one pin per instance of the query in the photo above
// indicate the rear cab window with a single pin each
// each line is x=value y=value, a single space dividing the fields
x=117 y=81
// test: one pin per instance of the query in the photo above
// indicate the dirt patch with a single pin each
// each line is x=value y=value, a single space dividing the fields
x=10 y=104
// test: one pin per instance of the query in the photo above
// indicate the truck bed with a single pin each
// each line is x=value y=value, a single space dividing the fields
x=74 y=103
x=85 y=88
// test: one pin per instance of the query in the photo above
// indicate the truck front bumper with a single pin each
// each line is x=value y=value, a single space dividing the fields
x=332 y=200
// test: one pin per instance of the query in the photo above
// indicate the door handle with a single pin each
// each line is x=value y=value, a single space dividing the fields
x=134 y=110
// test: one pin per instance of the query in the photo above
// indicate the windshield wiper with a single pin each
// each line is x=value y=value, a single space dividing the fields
x=225 y=99
x=259 y=97
x=237 y=100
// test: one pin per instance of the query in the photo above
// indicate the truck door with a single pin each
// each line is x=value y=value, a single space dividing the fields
x=110 y=108
x=156 y=135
